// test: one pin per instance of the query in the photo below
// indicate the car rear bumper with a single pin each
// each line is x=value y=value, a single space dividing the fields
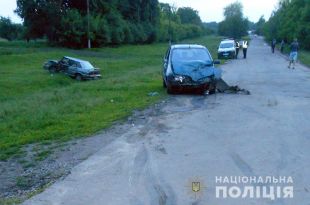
x=92 y=77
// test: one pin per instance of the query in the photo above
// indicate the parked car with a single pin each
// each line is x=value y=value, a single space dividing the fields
x=73 y=67
x=227 y=49
x=189 y=67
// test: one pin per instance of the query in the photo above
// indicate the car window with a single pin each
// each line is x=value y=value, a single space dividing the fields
x=87 y=65
x=72 y=63
x=226 y=45
x=65 y=61
x=190 y=54
x=78 y=65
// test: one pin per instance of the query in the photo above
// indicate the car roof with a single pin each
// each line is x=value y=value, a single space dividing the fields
x=227 y=41
x=187 y=46
x=75 y=59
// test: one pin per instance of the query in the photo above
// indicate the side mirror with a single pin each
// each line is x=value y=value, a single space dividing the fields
x=216 y=62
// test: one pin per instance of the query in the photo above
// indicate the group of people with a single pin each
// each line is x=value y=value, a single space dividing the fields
x=273 y=45
x=294 y=47
x=244 y=48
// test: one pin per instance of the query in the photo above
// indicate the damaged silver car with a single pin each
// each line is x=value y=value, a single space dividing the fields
x=73 y=67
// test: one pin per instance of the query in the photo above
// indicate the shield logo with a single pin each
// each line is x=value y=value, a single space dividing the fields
x=195 y=186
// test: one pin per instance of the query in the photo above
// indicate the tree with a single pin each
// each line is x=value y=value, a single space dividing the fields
x=65 y=22
x=189 y=16
x=234 y=24
x=41 y=17
x=211 y=27
x=9 y=30
x=260 y=25
x=290 y=20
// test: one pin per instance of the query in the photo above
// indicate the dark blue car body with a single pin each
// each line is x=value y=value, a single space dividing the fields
x=189 y=67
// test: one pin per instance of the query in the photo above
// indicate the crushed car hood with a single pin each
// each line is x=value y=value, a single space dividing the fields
x=196 y=69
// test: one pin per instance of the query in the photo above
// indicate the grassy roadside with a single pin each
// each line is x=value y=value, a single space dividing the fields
x=304 y=57
x=36 y=107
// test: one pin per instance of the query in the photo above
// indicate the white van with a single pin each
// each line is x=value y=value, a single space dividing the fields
x=227 y=49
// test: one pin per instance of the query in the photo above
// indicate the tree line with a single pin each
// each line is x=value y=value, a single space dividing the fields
x=10 y=30
x=235 y=25
x=111 y=22
x=290 y=20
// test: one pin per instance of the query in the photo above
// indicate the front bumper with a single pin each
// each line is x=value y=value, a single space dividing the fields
x=204 y=85
x=226 y=54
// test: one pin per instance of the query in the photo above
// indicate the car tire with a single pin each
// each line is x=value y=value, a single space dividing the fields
x=52 y=69
x=201 y=91
x=170 y=91
x=78 y=77
x=212 y=91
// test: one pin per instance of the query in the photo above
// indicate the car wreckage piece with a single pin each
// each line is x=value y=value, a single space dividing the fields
x=223 y=87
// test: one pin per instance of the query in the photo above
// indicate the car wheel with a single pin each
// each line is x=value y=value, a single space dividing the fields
x=201 y=91
x=170 y=91
x=78 y=77
x=212 y=91
x=164 y=84
x=52 y=69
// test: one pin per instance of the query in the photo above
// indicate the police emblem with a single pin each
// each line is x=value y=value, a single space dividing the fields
x=195 y=186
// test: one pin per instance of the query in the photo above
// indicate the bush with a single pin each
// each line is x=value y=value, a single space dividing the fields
x=73 y=30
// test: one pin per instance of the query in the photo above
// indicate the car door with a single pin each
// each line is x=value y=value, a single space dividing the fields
x=72 y=68
x=166 y=62
x=64 y=64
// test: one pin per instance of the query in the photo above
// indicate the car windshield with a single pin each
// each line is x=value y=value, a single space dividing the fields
x=188 y=60
x=87 y=65
x=226 y=45
x=190 y=55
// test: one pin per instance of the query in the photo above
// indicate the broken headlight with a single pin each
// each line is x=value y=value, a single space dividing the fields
x=179 y=78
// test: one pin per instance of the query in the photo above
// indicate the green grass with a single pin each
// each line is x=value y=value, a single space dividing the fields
x=3 y=40
x=36 y=107
x=304 y=57
x=18 y=200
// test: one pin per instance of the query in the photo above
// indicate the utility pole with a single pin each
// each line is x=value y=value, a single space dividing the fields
x=169 y=28
x=88 y=36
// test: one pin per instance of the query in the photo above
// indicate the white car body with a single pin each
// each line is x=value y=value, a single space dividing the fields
x=227 y=48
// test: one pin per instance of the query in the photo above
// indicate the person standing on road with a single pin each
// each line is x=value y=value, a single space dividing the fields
x=244 y=48
x=273 y=44
x=293 y=53
x=237 y=48
x=282 y=45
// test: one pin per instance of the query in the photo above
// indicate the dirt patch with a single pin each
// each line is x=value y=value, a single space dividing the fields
x=43 y=164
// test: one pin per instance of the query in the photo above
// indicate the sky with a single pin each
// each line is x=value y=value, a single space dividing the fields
x=212 y=10
x=209 y=10
x=7 y=8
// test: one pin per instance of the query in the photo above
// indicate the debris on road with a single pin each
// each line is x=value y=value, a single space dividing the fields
x=151 y=94
x=223 y=87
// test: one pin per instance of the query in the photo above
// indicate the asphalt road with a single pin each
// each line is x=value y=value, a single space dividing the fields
x=198 y=138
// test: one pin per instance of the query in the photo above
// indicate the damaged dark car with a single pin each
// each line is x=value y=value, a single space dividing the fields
x=189 y=68
x=73 y=67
